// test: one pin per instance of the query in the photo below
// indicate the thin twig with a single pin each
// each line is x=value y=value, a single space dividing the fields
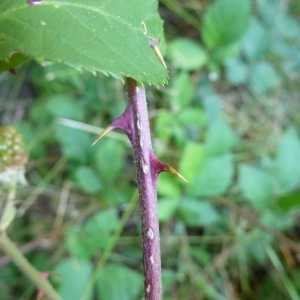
x=17 y=257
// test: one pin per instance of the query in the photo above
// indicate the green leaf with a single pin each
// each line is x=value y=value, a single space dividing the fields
x=197 y=213
x=225 y=22
x=109 y=36
x=182 y=91
x=256 y=41
x=270 y=10
x=263 y=77
x=289 y=201
x=88 y=180
x=85 y=241
x=202 y=256
x=220 y=138
x=236 y=71
x=222 y=53
x=65 y=107
x=213 y=106
x=256 y=186
x=192 y=160
x=186 y=54
x=289 y=28
x=167 y=208
x=287 y=162
x=214 y=178
x=117 y=282
x=168 y=278
x=164 y=128
x=104 y=221
x=73 y=276
x=75 y=144
x=110 y=159
x=77 y=243
x=192 y=116
x=277 y=220
x=168 y=185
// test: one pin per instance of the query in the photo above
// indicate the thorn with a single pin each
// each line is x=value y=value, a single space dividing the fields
x=103 y=133
x=122 y=123
x=156 y=50
x=174 y=172
x=158 y=166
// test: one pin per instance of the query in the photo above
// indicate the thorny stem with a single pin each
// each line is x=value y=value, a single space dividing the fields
x=147 y=171
x=134 y=122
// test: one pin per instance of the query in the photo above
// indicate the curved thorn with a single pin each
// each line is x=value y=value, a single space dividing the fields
x=174 y=172
x=158 y=166
x=103 y=133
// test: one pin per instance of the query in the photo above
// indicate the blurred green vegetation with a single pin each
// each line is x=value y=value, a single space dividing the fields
x=229 y=120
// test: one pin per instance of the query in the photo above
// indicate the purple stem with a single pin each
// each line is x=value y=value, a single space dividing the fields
x=134 y=122
x=147 y=172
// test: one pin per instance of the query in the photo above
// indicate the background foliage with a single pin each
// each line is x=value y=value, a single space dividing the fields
x=228 y=120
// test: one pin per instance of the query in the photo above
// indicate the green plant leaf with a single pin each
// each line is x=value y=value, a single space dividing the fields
x=65 y=107
x=182 y=91
x=256 y=186
x=109 y=36
x=287 y=162
x=197 y=213
x=88 y=180
x=256 y=41
x=104 y=221
x=186 y=54
x=192 y=160
x=277 y=220
x=192 y=116
x=168 y=185
x=225 y=22
x=213 y=106
x=222 y=53
x=77 y=243
x=117 y=282
x=165 y=125
x=220 y=138
x=236 y=71
x=289 y=28
x=263 y=77
x=202 y=256
x=289 y=202
x=75 y=144
x=98 y=230
x=73 y=276
x=167 y=208
x=110 y=159
x=214 y=178
x=269 y=11
x=168 y=278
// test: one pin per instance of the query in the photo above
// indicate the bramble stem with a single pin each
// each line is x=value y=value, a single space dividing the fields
x=147 y=171
x=135 y=123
